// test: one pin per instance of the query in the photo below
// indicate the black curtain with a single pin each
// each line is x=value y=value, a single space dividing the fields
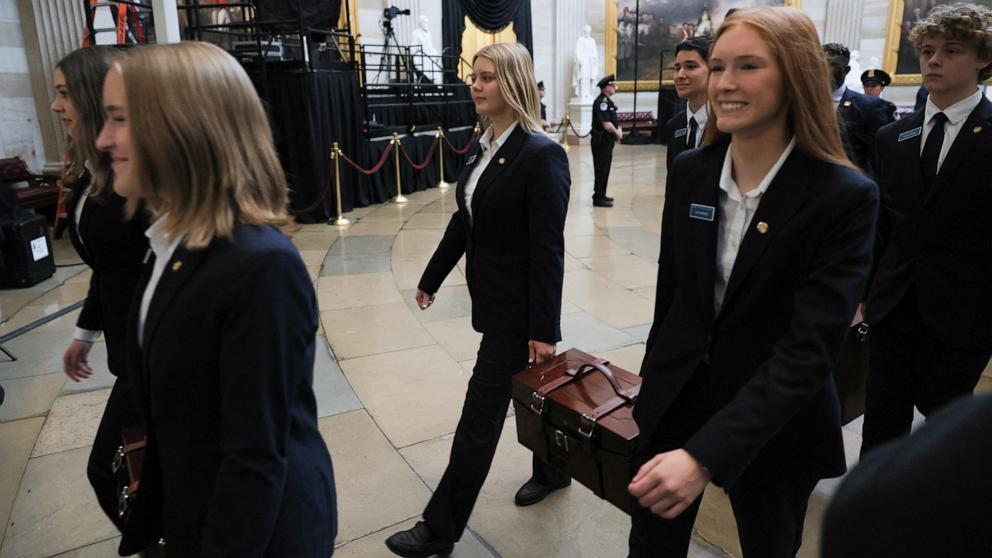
x=490 y=16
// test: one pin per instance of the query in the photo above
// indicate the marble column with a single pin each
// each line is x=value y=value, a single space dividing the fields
x=52 y=29
x=167 y=21
x=843 y=23
x=569 y=17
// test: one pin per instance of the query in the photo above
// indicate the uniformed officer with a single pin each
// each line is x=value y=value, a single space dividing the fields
x=544 y=108
x=874 y=82
x=605 y=133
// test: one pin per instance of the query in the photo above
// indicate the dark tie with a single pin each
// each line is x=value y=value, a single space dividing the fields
x=931 y=149
x=690 y=140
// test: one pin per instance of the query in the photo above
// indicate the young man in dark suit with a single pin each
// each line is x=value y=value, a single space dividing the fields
x=685 y=129
x=858 y=115
x=930 y=300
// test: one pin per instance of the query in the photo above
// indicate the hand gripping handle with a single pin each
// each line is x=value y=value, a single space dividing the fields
x=600 y=366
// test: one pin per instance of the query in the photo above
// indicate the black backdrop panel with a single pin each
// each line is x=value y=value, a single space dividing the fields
x=322 y=14
x=488 y=15
x=310 y=111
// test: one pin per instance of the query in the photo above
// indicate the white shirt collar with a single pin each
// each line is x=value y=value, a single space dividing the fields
x=729 y=185
x=487 y=142
x=700 y=115
x=956 y=112
x=838 y=93
x=159 y=241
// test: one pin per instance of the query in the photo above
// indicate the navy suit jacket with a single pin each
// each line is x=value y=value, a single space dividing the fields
x=114 y=249
x=755 y=380
x=224 y=375
x=513 y=242
x=676 y=145
x=860 y=116
x=936 y=242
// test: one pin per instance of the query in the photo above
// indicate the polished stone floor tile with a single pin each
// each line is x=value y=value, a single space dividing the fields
x=30 y=396
x=393 y=212
x=629 y=270
x=370 y=330
x=629 y=358
x=374 y=545
x=449 y=303
x=647 y=292
x=55 y=510
x=590 y=246
x=428 y=382
x=416 y=244
x=312 y=257
x=407 y=274
x=41 y=353
x=349 y=291
x=319 y=239
x=456 y=337
x=372 y=228
x=32 y=313
x=354 y=265
x=72 y=422
x=16 y=439
x=361 y=245
x=639 y=332
x=102 y=549
x=376 y=488
x=583 y=331
x=607 y=300
x=428 y=220
x=334 y=394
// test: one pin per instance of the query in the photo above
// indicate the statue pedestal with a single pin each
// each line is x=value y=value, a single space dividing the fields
x=580 y=111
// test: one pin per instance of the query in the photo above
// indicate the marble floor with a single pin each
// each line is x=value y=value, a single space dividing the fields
x=389 y=381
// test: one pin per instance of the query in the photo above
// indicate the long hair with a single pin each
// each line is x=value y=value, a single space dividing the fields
x=201 y=143
x=515 y=76
x=84 y=70
x=792 y=39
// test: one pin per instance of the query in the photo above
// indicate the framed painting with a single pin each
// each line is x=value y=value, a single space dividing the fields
x=901 y=61
x=662 y=25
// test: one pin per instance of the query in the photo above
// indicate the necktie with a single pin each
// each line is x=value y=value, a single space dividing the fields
x=931 y=149
x=690 y=140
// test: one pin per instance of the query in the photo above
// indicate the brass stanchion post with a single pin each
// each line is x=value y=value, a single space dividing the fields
x=341 y=221
x=440 y=148
x=563 y=127
x=400 y=198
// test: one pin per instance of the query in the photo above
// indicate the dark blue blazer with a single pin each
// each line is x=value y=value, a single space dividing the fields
x=764 y=388
x=936 y=243
x=922 y=496
x=860 y=116
x=225 y=375
x=113 y=248
x=513 y=242
x=676 y=145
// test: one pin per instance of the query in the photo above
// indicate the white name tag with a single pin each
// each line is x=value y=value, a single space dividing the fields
x=681 y=132
x=909 y=134
x=471 y=160
x=39 y=248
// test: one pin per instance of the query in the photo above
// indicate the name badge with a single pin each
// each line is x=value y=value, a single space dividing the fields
x=909 y=134
x=681 y=132
x=471 y=160
x=701 y=212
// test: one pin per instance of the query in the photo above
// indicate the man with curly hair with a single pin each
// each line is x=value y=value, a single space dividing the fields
x=930 y=300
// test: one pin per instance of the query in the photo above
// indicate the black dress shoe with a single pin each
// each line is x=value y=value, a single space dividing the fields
x=533 y=491
x=419 y=542
x=608 y=198
x=602 y=202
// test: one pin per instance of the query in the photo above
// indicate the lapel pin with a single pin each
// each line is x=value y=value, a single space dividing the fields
x=847 y=103
x=176 y=265
x=502 y=160
x=976 y=129
x=762 y=227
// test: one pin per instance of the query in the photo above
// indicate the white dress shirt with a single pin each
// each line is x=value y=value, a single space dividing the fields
x=736 y=212
x=956 y=115
x=837 y=95
x=700 y=116
x=489 y=148
x=163 y=249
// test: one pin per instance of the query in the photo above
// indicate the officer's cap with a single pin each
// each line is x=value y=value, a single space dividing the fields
x=608 y=80
x=873 y=76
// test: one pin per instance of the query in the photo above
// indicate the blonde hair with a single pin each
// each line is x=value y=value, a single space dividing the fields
x=792 y=38
x=515 y=76
x=202 y=146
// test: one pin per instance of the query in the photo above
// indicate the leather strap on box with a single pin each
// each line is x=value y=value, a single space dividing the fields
x=572 y=375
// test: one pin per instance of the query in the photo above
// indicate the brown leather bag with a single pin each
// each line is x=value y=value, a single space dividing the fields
x=574 y=411
x=128 y=460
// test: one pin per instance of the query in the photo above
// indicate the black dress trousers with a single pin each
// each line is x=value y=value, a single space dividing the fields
x=602 y=160
x=477 y=435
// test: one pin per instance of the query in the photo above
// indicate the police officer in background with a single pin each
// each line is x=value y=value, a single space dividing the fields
x=544 y=108
x=875 y=81
x=605 y=133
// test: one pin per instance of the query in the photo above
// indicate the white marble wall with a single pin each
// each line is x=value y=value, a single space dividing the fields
x=20 y=134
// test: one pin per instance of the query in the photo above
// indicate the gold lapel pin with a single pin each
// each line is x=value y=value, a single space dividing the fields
x=502 y=160
x=762 y=227
x=176 y=265
x=976 y=129
x=847 y=103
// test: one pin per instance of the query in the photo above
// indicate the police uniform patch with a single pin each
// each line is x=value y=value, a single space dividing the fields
x=603 y=106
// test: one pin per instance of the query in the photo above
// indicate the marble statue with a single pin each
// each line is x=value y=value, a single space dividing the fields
x=421 y=37
x=853 y=79
x=586 y=65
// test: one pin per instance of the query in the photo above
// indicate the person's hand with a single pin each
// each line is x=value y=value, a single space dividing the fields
x=859 y=314
x=669 y=483
x=619 y=134
x=539 y=351
x=74 y=360
x=424 y=300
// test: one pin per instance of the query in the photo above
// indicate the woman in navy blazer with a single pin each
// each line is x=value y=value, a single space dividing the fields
x=222 y=332
x=512 y=197
x=111 y=246
x=766 y=244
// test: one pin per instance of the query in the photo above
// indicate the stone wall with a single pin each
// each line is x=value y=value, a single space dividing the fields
x=20 y=134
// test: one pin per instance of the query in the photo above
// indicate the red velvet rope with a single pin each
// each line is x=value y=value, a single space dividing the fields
x=315 y=204
x=576 y=132
x=427 y=161
x=373 y=170
x=463 y=150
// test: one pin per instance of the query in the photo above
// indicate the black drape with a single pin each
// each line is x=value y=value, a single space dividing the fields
x=669 y=103
x=310 y=111
x=490 y=16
